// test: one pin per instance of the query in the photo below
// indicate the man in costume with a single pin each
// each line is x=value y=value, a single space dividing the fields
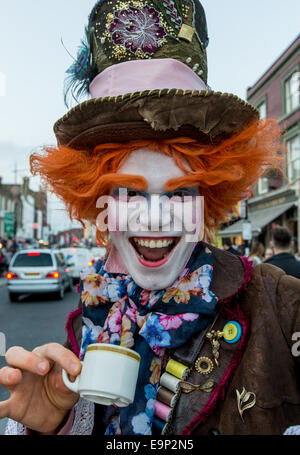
x=212 y=333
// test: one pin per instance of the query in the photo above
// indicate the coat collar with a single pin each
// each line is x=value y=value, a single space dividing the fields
x=230 y=274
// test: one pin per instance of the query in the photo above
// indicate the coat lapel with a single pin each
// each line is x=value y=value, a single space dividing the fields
x=231 y=275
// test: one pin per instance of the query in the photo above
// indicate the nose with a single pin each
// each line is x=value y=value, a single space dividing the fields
x=154 y=210
x=155 y=217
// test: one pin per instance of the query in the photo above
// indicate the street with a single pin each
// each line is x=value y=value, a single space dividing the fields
x=35 y=320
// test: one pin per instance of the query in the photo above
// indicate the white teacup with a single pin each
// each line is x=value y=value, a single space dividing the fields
x=108 y=376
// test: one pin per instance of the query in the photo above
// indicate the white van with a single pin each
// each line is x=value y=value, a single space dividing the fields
x=76 y=259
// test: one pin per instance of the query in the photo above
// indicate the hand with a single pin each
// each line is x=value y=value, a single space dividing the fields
x=38 y=397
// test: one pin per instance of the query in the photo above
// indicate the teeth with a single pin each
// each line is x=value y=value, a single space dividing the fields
x=153 y=243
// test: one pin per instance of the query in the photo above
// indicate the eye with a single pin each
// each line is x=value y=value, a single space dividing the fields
x=183 y=192
x=133 y=193
x=179 y=193
x=125 y=194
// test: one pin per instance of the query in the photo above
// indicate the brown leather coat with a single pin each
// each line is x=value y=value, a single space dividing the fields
x=267 y=306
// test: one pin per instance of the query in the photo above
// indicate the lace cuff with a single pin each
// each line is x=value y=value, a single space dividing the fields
x=84 y=418
x=83 y=423
x=293 y=430
x=14 y=428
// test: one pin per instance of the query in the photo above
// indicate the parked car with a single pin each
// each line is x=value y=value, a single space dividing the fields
x=76 y=260
x=64 y=263
x=37 y=272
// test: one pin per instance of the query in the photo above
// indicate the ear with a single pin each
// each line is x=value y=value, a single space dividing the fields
x=272 y=245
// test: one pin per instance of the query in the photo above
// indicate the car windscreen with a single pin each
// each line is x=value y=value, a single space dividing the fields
x=33 y=260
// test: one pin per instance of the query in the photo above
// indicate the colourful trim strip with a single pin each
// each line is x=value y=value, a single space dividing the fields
x=169 y=382
x=165 y=396
x=176 y=369
x=70 y=331
x=162 y=410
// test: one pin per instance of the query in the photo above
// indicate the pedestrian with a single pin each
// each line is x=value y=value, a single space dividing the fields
x=268 y=254
x=257 y=253
x=283 y=258
x=242 y=249
x=2 y=263
x=201 y=319
x=227 y=244
x=8 y=256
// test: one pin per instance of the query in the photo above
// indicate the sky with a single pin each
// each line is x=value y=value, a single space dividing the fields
x=245 y=39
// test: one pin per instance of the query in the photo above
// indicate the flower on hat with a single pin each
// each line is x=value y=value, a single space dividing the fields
x=137 y=29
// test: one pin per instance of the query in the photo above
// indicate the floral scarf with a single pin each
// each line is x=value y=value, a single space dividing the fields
x=115 y=310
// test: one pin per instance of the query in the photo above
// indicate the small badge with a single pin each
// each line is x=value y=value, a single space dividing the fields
x=214 y=338
x=232 y=332
x=187 y=387
x=204 y=365
x=243 y=401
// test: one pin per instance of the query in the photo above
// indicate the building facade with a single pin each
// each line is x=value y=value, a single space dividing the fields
x=23 y=212
x=276 y=199
x=10 y=209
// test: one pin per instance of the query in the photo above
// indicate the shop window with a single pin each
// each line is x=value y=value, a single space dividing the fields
x=294 y=158
x=275 y=180
x=262 y=109
x=292 y=92
x=263 y=185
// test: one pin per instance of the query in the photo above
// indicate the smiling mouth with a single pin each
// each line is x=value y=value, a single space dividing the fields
x=154 y=251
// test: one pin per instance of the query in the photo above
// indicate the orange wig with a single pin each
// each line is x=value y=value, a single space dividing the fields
x=224 y=173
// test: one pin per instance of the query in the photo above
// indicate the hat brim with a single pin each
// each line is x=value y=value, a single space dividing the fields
x=207 y=116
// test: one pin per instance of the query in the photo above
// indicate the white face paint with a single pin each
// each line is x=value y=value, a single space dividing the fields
x=156 y=245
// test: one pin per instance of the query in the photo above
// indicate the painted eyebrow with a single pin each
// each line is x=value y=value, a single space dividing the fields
x=185 y=182
x=139 y=183
x=188 y=189
x=134 y=182
x=192 y=190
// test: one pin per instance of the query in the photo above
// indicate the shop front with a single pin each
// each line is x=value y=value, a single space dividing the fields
x=263 y=215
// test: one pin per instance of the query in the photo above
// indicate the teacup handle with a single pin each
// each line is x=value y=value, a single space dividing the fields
x=73 y=386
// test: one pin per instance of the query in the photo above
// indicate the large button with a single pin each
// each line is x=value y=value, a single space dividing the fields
x=232 y=332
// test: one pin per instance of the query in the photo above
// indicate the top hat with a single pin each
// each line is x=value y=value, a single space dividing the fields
x=144 y=64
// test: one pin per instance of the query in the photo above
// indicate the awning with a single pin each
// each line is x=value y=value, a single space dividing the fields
x=259 y=219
